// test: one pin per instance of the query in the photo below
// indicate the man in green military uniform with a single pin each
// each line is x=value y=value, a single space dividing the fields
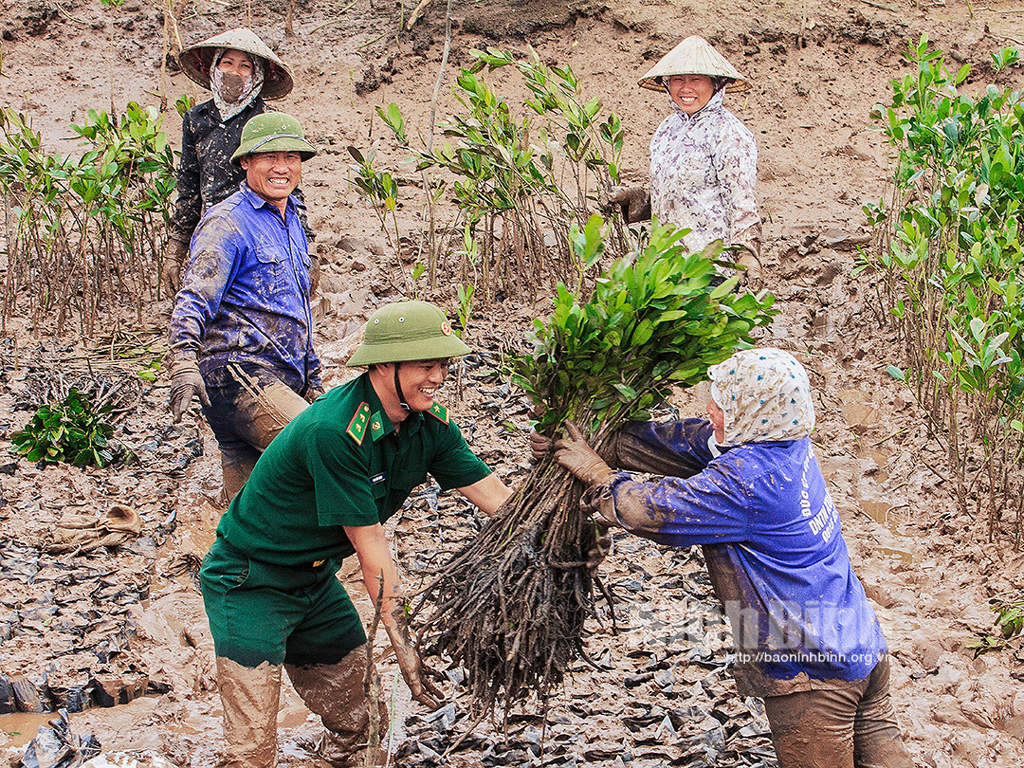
x=318 y=494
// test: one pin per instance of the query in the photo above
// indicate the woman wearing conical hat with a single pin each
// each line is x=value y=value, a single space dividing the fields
x=242 y=72
x=703 y=160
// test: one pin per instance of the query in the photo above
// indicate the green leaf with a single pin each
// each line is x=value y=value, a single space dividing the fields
x=726 y=288
x=643 y=332
x=627 y=392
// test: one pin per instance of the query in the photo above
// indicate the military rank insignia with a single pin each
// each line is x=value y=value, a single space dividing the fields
x=357 y=427
x=439 y=412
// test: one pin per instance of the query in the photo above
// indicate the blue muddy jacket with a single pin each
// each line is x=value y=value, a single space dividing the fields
x=773 y=544
x=245 y=294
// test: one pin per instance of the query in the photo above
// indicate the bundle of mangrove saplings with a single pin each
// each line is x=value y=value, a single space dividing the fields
x=510 y=606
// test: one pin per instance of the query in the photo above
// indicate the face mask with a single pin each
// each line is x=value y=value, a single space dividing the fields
x=232 y=87
x=233 y=93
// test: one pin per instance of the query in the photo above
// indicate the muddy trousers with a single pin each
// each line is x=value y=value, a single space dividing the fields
x=265 y=617
x=249 y=406
x=335 y=692
x=848 y=728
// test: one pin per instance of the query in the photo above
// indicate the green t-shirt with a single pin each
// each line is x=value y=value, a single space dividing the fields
x=341 y=463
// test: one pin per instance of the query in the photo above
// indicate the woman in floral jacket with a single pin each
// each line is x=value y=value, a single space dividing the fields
x=703 y=159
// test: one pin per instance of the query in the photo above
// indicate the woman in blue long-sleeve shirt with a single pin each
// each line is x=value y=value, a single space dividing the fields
x=746 y=486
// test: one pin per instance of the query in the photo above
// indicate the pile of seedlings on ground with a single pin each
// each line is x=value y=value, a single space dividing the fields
x=510 y=606
x=79 y=539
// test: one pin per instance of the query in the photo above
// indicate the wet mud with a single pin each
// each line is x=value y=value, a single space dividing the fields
x=126 y=621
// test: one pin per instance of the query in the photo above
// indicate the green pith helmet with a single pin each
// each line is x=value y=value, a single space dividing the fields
x=272 y=132
x=197 y=59
x=407 y=330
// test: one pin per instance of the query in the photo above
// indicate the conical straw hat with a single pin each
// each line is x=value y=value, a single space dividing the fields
x=197 y=59
x=693 y=56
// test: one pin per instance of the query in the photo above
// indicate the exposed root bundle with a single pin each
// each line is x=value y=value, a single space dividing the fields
x=510 y=606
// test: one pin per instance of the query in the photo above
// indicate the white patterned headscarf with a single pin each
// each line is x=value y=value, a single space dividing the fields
x=229 y=95
x=765 y=395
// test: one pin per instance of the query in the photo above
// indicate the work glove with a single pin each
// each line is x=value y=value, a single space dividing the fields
x=174 y=258
x=541 y=445
x=579 y=458
x=186 y=383
x=84 y=533
x=751 y=270
x=634 y=202
x=423 y=690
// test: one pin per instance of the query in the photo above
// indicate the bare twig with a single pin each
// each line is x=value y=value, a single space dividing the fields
x=455 y=744
x=420 y=8
x=371 y=685
x=288 y=28
x=1013 y=40
x=68 y=16
x=371 y=42
x=432 y=259
x=890 y=437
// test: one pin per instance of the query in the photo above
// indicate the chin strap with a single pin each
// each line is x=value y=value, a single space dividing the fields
x=398 y=389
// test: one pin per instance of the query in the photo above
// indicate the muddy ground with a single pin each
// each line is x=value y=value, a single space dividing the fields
x=130 y=619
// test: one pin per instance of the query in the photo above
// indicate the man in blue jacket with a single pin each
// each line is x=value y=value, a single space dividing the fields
x=241 y=337
x=747 y=487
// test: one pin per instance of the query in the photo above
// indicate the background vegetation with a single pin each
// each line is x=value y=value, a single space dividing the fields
x=85 y=232
x=950 y=260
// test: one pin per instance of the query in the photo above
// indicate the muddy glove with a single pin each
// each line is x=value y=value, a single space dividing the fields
x=423 y=690
x=174 y=258
x=751 y=269
x=313 y=391
x=84 y=533
x=634 y=202
x=540 y=445
x=186 y=383
x=579 y=458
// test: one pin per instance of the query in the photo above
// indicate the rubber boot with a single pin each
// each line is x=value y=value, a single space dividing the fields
x=336 y=692
x=250 y=699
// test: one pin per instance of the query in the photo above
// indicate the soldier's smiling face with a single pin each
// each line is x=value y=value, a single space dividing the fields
x=420 y=381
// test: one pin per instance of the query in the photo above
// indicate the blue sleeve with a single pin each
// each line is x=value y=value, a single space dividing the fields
x=675 y=449
x=213 y=264
x=711 y=507
x=314 y=379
